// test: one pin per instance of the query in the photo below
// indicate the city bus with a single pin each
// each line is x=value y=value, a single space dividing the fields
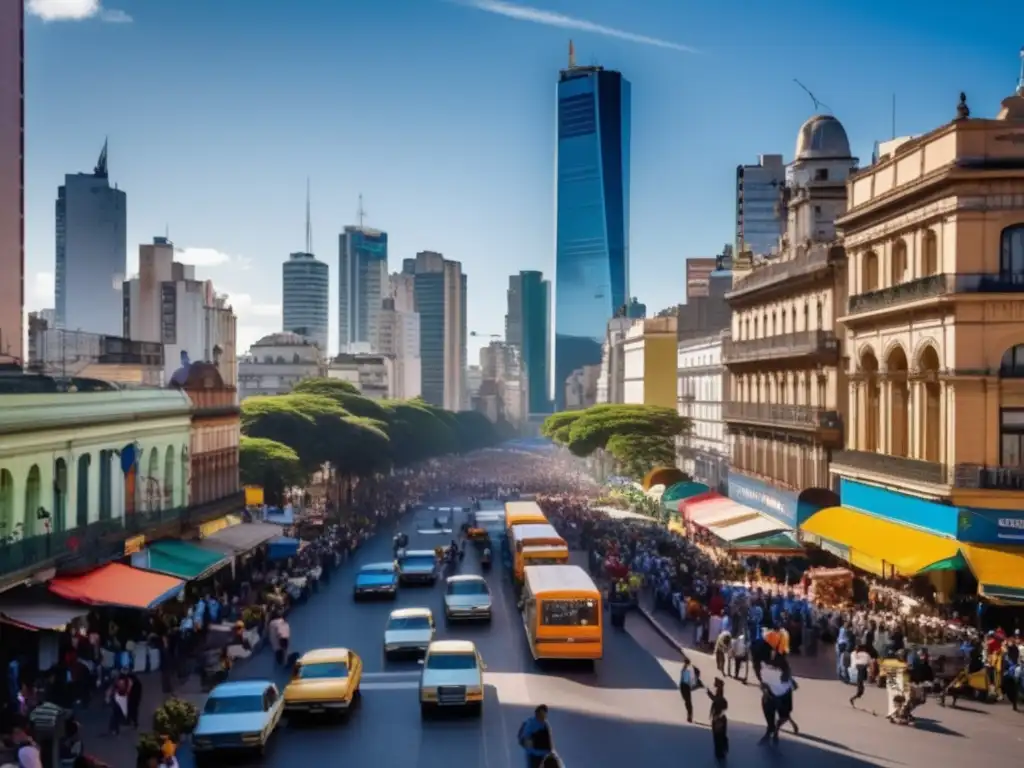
x=562 y=613
x=535 y=544
x=523 y=513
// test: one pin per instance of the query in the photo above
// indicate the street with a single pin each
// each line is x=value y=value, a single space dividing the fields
x=626 y=712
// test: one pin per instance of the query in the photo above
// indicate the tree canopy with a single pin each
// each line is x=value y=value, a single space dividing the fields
x=638 y=437
x=269 y=464
x=327 y=421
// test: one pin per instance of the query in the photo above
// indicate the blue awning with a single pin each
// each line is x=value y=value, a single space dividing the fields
x=277 y=516
x=282 y=548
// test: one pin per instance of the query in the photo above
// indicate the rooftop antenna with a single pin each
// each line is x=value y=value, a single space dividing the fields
x=309 y=222
x=361 y=213
x=817 y=104
x=572 y=55
x=1020 y=80
x=101 y=165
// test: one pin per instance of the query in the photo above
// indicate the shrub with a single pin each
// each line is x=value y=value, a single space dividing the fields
x=175 y=717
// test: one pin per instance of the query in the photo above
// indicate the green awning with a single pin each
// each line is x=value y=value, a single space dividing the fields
x=181 y=559
x=774 y=543
x=679 y=491
x=955 y=563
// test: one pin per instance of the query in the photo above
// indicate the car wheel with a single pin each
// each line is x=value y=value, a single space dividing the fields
x=425 y=711
x=355 y=597
x=476 y=709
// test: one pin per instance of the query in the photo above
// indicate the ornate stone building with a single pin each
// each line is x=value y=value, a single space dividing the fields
x=786 y=382
x=935 y=318
x=216 y=430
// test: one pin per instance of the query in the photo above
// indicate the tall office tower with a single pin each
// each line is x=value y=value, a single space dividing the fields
x=165 y=303
x=592 y=213
x=535 y=339
x=758 y=223
x=362 y=286
x=91 y=251
x=12 y=180
x=398 y=336
x=305 y=284
x=514 y=313
x=440 y=291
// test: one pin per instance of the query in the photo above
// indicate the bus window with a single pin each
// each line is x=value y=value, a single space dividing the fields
x=569 y=613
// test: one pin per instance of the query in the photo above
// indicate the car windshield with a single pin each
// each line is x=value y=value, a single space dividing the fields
x=322 y=670
x=451 y=661
x=233 y=705
x=467 y=588
x=409 y=622
x=419 y=561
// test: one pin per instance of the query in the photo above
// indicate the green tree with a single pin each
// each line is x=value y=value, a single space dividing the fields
x=346 y=395
x=269 y=464
x=597 y=424
x=636 y=455
x=283 y=420
x=325 y=387
x=558 y=425
x=475 y=431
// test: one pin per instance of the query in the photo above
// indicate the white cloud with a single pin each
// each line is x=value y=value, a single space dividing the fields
x=76 y=10
x=560 y=20
x=42 y=288
x=209 y=257
x=245 y=307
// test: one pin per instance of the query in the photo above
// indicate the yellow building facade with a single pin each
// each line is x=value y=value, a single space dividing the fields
x=787 y=386
x=934 y=322
x=649 y=363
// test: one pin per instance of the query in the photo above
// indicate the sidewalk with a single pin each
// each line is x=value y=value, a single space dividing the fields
x=821 y=666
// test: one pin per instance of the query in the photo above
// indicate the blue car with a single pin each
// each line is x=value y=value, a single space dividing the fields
x=418 y=567
x=376 y=580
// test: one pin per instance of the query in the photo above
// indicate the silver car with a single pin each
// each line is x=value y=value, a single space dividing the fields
x=467 y=598
x=453 y=677
x=408 y=631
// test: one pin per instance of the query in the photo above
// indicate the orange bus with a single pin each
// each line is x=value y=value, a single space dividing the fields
x=523 y=513
x=536 y=544
x=562 y=613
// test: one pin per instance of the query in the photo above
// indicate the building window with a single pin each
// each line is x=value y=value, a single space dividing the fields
x=1011 y=437
x=1012 y=366
x=1011 y=260
x=869 y=275
x=898 y=267
x=930 y=254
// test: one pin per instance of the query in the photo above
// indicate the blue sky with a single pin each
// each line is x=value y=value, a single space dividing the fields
x=441 y=114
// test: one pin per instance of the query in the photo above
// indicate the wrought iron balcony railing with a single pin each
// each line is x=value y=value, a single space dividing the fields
x=934 y=286
x=894 y=466
x=801 y=416
x=786 y=345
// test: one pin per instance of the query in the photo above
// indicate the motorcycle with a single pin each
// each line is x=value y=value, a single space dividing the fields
x=485 y=560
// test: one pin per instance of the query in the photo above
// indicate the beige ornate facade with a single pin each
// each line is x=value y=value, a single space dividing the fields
x=787 y=388
x=935 y=318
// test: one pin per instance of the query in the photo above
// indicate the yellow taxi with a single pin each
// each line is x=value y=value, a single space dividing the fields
x=323 y=681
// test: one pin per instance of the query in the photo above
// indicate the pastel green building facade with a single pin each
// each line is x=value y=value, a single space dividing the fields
x=60 y=457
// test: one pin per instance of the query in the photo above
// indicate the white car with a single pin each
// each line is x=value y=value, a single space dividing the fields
x=238 y=717
x=467 y=598
x=453 y=677
x=409 y=630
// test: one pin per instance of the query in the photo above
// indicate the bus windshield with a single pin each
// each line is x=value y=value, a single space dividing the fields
x=570 y=613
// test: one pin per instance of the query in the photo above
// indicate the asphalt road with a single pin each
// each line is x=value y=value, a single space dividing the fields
x=624 y=712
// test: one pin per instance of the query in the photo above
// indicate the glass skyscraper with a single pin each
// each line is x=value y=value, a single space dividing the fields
x=534 y=293
x=592 y=214
x=306 y=285
x=362 y=286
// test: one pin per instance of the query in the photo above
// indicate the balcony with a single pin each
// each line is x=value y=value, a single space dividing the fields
x=915 y=470
x=978 y=477
x=933 y=287
x=800 y=417
x=822 y=344
x=774 y=274
x=102 y=541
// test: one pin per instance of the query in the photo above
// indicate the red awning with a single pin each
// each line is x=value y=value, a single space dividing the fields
x=692 y=501
x=116 y=584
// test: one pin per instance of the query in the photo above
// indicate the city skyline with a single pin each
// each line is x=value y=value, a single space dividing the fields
x=242 y=170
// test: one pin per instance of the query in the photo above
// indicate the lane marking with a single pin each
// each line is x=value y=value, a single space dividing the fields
x=390 y=675
x=411 y=685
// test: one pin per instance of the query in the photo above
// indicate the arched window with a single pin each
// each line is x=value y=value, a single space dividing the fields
x=1011 y=420
x=1012 y=365
x=869 y=272
x=898 y=264
x=930 y=254
x=1011 y=254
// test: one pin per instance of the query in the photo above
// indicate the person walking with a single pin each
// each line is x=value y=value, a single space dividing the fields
x=535 y=737
x=861 y=663
x=740 y=658
x=719 y=722
x=689 y=680
x=722 y=644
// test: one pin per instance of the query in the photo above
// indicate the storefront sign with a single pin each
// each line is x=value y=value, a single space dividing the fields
x=991 y=526
x=900 y=507
x=134 y=544
x=777 y=504
x=253 y=496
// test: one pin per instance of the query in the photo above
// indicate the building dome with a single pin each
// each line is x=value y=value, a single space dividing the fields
x=285 y=339
x=822 y=138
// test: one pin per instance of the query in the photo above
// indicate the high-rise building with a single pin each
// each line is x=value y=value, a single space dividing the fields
x=165 y=303
x=592 y=213
x=306 y=285
x=398 y=335
x=92 y=249
x=440 y=291
x=758 y=223
x=514 y=313
x=12 y=179
x=362 y=286
x=535 y=338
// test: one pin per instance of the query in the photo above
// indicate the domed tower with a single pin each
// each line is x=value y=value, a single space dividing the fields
x=816 y=181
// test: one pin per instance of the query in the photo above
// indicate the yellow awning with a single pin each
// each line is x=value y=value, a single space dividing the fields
x=998 y=569
x=878 y=545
